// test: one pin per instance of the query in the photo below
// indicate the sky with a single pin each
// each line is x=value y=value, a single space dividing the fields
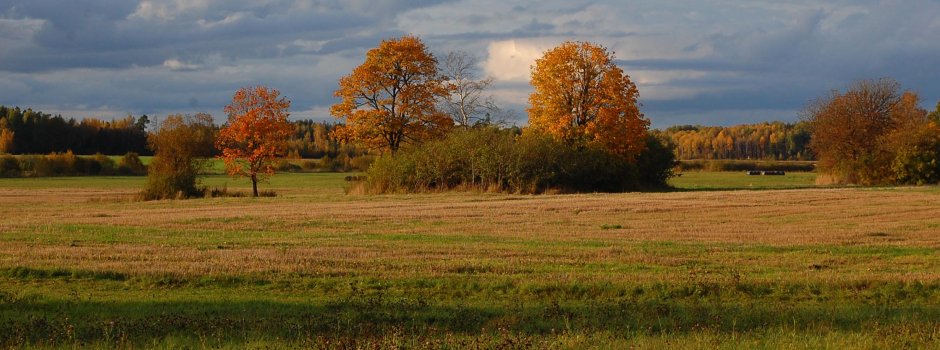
x=709 y=62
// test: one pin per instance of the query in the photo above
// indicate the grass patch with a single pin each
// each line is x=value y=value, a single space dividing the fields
x=740 y=181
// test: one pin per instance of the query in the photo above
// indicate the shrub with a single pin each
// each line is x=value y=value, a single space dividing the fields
x=178 y=144
x=327 y=164
x=170 y=184
x=10 y=166
x=500 y=160
x=54 y=164
x=918 y=161
x=342 y=163
x=283 y=165
x=101 y=165
x=28 y=164
x=656 y=163
x=309 y=165
x=361 y=163
x=130 y=164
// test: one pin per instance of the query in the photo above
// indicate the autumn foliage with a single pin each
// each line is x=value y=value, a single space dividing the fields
x=6 y=138
x=255 y=134
x=582 y=97
x=391 y=99
x=180 y=145
x=858 y=134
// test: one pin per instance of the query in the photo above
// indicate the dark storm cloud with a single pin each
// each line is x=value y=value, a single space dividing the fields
x=110 y=39
x=695 y=62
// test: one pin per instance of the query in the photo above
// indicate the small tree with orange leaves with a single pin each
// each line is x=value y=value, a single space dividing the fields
x=582 y=97
x=255 y=134
x=390 y=100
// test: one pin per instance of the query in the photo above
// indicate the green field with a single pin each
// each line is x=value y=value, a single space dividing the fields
x=216 y=166
x=688 y=181
x=82 y=265
x=281 y=181
x=701 y=180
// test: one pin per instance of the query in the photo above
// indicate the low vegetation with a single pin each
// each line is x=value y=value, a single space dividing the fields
x=874 y=133
x=489 y=159
x=745 y=165
x=181 y=144
x=69 y=164
x=315 y=268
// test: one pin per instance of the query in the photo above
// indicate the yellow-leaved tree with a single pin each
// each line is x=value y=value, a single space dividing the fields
x=391 y=99
x=582 y=97
x=256 y=133
x=6 y=138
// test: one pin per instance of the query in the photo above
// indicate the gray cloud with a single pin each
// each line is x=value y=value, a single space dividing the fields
x=711 y=62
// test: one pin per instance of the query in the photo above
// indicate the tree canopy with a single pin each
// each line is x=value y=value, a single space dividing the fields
x=256 y=133
x=467 y=104
x=391 y=99
x=180 y=144
x=935 y=115
x=857 y=133
x=581 y=96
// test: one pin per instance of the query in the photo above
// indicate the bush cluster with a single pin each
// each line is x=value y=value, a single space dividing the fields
x=917 y=160
x=343 y=163
x=502 y=160
x=69 y=164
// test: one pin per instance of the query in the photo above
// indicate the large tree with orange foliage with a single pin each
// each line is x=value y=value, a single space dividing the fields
x=390 y=100
x=255 y=134
x=856 y=133
x=581 y=96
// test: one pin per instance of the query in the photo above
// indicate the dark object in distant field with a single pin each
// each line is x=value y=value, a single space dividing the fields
x=768 y=172
x=355 y=178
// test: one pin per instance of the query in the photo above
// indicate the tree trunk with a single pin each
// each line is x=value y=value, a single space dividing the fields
x=254 y=185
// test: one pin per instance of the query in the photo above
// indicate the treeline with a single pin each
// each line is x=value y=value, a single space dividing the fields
x=769 y=141
x=69 y=164
x=312 y=140
x=33 y=132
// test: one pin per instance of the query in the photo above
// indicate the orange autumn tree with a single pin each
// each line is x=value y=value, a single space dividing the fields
x=857 y=133
x=391 y=99
x=255 y=134
x=582 y=97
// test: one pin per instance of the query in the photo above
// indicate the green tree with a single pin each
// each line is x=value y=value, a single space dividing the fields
x=935 y=115
x=180 y=145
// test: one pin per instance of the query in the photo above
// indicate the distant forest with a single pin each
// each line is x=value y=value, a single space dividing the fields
x=33 y=132
x=770 y=140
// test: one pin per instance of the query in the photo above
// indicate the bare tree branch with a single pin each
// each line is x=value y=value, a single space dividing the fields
x=467 y=104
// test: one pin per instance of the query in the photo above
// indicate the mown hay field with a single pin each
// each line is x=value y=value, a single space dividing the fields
x=724 y=262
